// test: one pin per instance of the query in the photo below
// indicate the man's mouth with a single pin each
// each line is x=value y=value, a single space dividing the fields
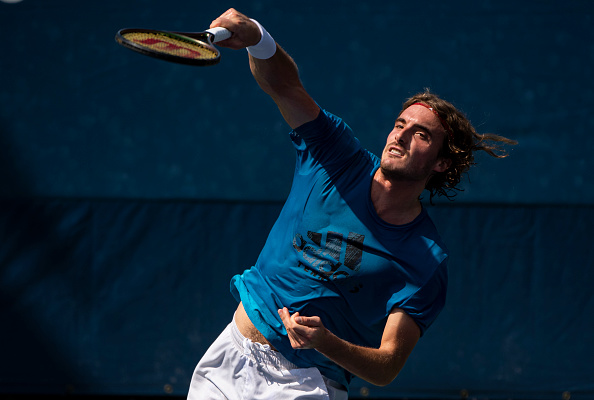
x=396 y=151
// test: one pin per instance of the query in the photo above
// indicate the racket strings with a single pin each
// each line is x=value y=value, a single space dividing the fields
x=171 y=45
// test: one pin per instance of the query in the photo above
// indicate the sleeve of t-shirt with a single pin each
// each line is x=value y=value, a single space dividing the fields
x=427 y=302
x=326 y=140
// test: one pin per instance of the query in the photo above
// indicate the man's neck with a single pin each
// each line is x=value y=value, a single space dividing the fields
x=396 y=202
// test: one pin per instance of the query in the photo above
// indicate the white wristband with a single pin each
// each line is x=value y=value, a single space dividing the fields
x=265 y=48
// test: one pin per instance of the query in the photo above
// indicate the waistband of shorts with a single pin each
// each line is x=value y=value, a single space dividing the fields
x=262 y=353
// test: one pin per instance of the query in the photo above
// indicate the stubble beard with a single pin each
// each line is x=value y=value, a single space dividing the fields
x=405 y=174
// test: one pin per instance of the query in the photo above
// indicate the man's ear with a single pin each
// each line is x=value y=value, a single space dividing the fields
x=442 y=164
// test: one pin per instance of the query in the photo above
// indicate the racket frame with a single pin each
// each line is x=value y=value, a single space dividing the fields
x=202 y=39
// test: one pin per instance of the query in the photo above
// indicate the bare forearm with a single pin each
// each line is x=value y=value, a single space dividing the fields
x=278 y=76
x=376 y=366
x=276 y=73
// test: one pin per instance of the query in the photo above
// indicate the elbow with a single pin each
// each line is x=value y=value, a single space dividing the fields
x=383 y=381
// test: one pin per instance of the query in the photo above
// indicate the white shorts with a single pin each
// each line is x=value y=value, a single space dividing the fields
x=236 y=368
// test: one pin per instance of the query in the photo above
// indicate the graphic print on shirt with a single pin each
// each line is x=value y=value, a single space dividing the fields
x=325 y=261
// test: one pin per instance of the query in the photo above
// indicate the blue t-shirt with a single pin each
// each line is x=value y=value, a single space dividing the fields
x=330 y=255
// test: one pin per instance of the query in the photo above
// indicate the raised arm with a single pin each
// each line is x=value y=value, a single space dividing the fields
x=278 y=75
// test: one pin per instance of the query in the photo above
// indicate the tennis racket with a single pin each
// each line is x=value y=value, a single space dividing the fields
x=178 y=47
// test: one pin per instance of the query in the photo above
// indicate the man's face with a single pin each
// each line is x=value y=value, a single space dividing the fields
x=412 y=148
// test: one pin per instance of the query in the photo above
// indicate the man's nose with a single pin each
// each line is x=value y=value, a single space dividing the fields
x=400 y=136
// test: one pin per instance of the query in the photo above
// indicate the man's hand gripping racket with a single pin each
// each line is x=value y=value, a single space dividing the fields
x=197 y=48
x=194 y=48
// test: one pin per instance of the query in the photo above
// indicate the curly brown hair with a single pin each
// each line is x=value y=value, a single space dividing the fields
x=459 y=146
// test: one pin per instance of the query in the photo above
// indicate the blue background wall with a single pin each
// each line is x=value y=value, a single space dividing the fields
x=131 y=190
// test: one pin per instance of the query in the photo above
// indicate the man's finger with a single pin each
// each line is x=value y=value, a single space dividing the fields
x=309 y=321
x=285 y=315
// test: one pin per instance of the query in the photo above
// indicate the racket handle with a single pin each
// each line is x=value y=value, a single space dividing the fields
x=219 y=34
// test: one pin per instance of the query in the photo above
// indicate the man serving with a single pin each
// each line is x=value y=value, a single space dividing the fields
x=353 y=271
